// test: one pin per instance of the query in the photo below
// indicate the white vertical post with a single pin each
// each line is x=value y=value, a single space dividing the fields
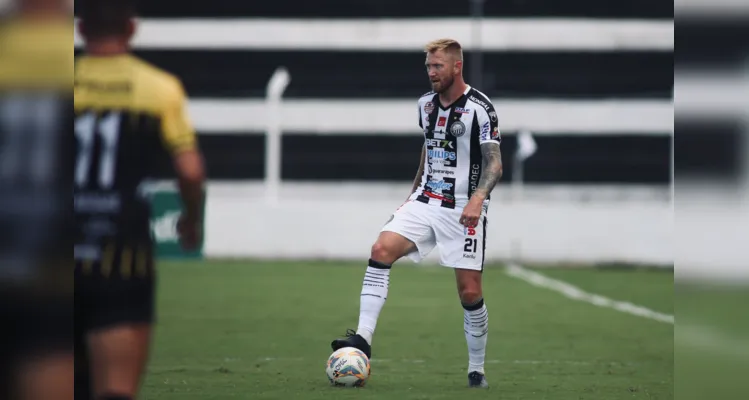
x=526 y=147
x=274 y=91
x=517 y=179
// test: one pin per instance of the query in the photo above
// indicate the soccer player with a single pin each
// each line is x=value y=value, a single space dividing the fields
x=130 y=117
x=36 y=286
x=460 y=164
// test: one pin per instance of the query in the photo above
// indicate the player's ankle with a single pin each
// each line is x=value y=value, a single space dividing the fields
x=366 y=335
x=475 y=368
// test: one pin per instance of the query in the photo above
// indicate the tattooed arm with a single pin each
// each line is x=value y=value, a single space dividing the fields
x=420 y=172
x=491 y=170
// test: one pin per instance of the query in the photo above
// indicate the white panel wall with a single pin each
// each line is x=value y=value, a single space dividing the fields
x=342 y=221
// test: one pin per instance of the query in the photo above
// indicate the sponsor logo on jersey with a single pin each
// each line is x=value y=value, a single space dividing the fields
x=495 y=133
x=99 y=227
x=439 y=185
x=458 y=129
x=428 y=107
x=493 y=116
x=471 y=256
x=88 y=202
x=444 y=197
x=479 y=102
x=462 y=110
x=441 y=154
x=474 y=177
x=439 y=143
x=441 y=121
x=469 y=231
x=485 y=131
x=443 y=171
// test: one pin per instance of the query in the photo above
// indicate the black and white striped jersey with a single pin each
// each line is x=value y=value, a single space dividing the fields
x=453 y=136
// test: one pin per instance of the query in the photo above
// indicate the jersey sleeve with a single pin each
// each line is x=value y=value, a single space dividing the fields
x=488 y=125
x=177 y=132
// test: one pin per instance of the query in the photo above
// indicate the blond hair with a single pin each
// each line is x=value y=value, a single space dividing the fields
x=449 y=46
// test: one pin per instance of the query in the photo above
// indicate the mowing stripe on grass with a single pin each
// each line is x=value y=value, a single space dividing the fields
x=575 y=293
x=712 y=340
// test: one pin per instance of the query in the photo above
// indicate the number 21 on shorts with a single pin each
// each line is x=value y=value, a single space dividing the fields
x=470 y=246
x=470 y=243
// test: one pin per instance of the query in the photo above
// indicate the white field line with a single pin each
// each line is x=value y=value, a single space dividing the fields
x=575 y=293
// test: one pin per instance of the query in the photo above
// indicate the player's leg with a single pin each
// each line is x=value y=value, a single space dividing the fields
x=475 y=322
x=407 y=233
x=388 y=248
x=46 y=377
x=118 y=358
x=462 y=248
x=118 y=331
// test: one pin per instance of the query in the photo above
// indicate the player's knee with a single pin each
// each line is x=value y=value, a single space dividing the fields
x=382 y=253
x=470 y=296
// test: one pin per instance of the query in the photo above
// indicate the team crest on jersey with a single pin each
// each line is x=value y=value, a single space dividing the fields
x=457 y=129
x=428 y=107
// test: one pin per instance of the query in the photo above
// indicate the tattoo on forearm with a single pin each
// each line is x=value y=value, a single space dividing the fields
x=420 y=172
x=492 y=168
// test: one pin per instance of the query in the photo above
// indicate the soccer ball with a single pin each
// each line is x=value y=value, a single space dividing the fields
x=348 y=367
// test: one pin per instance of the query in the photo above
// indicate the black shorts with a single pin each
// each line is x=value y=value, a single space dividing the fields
x=33 y=326
x=105 y=302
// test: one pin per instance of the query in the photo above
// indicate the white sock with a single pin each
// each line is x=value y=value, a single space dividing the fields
x=374 y=292
x=476 y=327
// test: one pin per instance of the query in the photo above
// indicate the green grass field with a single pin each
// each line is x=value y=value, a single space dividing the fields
x=711 y=342
x=262 y=330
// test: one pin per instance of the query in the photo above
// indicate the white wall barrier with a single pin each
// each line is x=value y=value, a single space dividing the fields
x=341 y=221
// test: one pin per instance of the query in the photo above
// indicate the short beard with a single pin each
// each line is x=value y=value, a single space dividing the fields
x=448 y=84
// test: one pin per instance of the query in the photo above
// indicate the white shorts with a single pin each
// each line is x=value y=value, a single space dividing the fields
x=429 y=226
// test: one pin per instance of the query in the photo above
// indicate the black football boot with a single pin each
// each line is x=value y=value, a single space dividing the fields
x=353 y=340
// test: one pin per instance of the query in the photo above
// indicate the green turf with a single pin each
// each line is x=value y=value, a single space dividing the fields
x=712 y=341
x=261 y=330
x=651 y=288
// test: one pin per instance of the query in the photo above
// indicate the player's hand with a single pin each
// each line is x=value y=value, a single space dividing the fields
x=189 y=232
x=471 y=214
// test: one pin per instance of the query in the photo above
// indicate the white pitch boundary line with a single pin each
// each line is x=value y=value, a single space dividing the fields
x=575 y=293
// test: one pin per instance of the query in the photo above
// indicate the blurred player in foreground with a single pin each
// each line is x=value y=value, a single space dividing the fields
x=460 y=164
x=36 y=286
x=130 y=117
